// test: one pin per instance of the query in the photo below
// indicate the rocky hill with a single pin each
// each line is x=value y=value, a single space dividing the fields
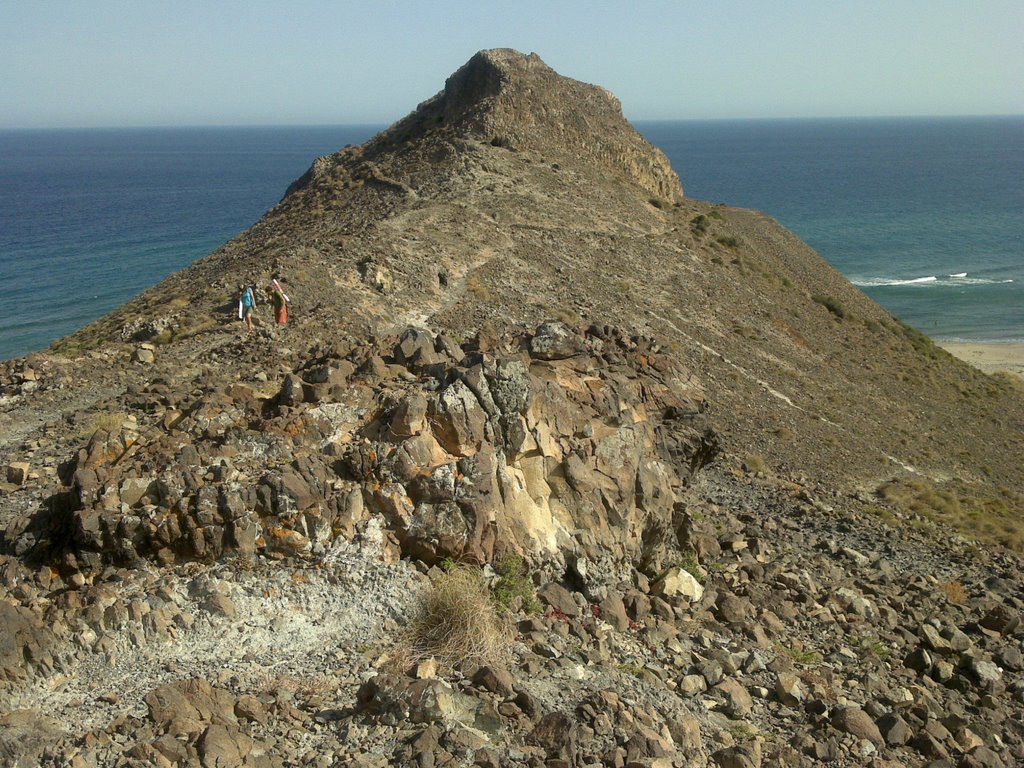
x=766 y=523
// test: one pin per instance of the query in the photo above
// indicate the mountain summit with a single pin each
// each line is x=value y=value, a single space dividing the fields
x=518 y=103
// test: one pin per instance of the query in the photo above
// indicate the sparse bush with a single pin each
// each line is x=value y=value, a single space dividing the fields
x=729 y=241
x=986 y=518
x=108 y=421
x=456 y=622
x=754 y=463
x=881 y=513
x=800 y=654
x=690 y=564
x=477 y=285
x=832 y=305
x=699 y=224
x=868 y=645
x=514 y=586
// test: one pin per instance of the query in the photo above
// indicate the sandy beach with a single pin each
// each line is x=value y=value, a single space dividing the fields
x=990 y=358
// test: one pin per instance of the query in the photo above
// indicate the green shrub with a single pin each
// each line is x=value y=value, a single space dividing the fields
x=514 y=585
x=832 y=305
x=690 y=564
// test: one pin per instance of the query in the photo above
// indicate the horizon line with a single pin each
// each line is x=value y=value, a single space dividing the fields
x=373 y=124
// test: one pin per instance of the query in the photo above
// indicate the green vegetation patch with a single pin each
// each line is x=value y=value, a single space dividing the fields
x=831 y=304
x=513 y=588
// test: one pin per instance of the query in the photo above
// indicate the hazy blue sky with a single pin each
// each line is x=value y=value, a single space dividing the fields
x=229 y=62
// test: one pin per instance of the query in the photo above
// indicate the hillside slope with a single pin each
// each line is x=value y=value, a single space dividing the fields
x=731 y=480
x=516 y=195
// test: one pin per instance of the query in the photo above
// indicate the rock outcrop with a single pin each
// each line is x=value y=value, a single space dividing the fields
x=559 y=446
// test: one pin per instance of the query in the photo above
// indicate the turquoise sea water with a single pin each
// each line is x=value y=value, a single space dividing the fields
x=89 y=219
x=925 y=215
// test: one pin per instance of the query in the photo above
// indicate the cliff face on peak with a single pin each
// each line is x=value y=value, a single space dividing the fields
x=518 y=103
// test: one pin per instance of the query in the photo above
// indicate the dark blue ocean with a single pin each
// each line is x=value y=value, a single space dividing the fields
x=926 y=215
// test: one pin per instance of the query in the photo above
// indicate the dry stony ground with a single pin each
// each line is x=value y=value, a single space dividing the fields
x=833 y=614
x=824 y=634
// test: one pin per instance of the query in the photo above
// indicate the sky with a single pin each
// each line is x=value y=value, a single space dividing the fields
x=112 y=63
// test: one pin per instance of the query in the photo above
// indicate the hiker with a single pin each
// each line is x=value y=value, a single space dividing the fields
x=279 y=299
x=246 y=304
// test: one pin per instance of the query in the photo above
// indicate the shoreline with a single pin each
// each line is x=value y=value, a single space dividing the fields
x=989 y=357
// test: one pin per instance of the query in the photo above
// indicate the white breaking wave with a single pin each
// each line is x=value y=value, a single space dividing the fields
x=955 y=279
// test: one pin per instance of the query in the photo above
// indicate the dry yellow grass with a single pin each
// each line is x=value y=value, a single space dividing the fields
x=989 y=518
x=954 y=591
x=456 y=622
x=112 y=422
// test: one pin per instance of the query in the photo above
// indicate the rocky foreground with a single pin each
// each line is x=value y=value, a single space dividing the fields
x=739 y=516
x=689 y=614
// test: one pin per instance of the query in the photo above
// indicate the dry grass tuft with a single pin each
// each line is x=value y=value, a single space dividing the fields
x=109 y=421
x=954 y=591
x=457 y=622
x=989 y=518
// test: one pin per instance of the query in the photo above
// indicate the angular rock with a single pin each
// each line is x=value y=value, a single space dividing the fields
x=678 y=582
x=17 y=472
x=857 y=722
x=559 y=598
x=894 y=729
x=737 y=700
x=789 y=689
x=555 y=341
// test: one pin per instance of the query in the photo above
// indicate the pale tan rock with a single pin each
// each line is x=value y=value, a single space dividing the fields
x=678 y=582
x=426 y=670
x=17 y=472
x=789 y=689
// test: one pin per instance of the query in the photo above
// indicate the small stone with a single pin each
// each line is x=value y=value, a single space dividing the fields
x=426 y=670
x=789 y=689
x=144 y=356
x=250 y=708
x=985 y=673
x=738 y=701
x=678 y=582
x=933 y=639
x=918 y=660
x=559 y=598
x=496 y=680
x=692 y=684
x=17 y=472
x=894 y=729
x=220 y=605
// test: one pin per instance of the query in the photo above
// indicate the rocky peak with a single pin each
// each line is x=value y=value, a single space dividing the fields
x=517 y=102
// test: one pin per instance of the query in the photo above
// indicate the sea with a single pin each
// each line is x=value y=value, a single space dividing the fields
x=925 y=215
